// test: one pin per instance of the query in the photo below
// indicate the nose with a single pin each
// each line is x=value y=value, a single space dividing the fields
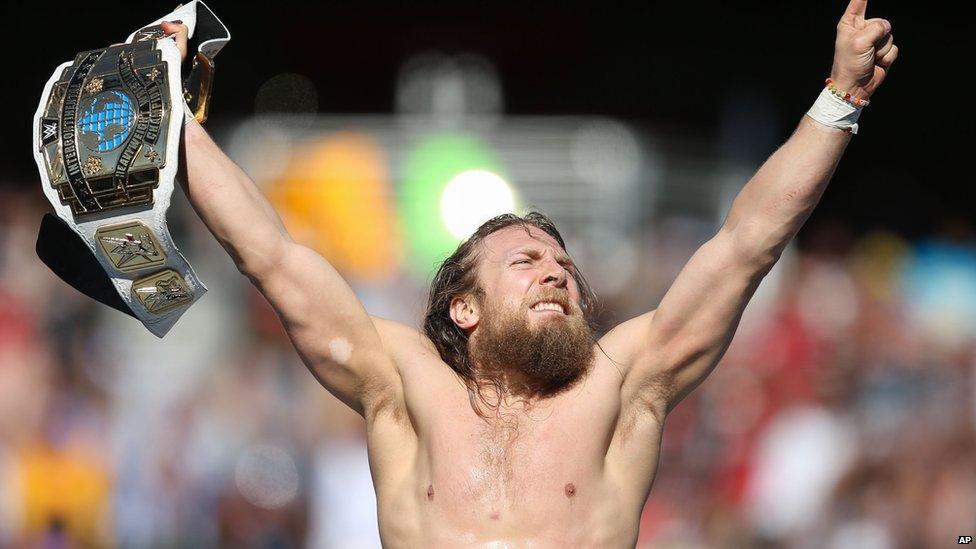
x=554 y=275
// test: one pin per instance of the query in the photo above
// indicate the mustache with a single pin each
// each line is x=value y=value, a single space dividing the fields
x=554 y=295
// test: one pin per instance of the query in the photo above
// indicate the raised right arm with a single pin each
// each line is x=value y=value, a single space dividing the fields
x=327 y=324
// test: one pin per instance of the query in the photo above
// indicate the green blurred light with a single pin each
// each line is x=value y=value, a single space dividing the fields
x=428 y=168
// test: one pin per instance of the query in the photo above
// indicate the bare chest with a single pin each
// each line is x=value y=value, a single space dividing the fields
x=518 y=466
x=543 y=474
x=508 y=458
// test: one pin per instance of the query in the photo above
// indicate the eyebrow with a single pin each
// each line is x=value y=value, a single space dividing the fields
x=534 y=253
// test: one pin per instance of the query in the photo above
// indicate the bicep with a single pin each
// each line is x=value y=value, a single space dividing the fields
x=695 y=321
x=330 y=329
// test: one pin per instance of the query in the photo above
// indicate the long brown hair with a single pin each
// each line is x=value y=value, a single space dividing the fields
x=458 y=276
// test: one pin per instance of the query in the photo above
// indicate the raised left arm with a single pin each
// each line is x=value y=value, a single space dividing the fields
x=670 y=351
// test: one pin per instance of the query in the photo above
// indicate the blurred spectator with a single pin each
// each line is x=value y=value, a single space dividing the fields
x=842 y=416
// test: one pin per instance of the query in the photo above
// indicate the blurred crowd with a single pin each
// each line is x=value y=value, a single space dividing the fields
x=844 y=414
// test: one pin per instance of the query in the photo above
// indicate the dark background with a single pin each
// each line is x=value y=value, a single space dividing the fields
x=664 y=66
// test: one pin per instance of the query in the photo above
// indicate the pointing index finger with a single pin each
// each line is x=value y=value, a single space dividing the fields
x=857 y=7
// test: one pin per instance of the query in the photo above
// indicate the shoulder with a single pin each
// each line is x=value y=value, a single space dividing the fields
x=404 y=343
x=624 y=343
x=417 y=360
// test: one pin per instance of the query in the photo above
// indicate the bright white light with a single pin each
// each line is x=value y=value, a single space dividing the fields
x=473 y=197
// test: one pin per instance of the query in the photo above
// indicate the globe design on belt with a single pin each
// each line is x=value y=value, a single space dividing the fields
x=106 y=121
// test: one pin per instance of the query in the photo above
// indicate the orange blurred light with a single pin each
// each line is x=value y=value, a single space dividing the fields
x=335 y=198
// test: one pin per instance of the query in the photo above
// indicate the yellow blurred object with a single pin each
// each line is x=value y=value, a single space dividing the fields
x=334 y=197
x=876 y=261
x=63 y=487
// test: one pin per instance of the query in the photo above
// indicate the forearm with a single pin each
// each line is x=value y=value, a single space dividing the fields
x=229 y=202
x=776 y=202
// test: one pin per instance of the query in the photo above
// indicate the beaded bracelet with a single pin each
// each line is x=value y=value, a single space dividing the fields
x=846 y=96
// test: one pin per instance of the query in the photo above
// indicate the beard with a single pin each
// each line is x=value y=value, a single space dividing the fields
x=532 y=359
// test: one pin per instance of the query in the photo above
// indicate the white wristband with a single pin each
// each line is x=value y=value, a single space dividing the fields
x=833 y=111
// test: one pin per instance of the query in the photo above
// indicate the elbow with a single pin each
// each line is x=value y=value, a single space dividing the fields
x=758 y=246
x=255 y=270
x=258 y=264
x=251 y=269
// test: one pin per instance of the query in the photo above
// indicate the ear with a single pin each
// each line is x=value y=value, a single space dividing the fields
x=465 y=312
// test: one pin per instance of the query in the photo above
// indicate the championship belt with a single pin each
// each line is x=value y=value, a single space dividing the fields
x=106 y=142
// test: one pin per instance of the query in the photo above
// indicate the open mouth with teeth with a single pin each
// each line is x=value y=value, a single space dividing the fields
x=548 y=307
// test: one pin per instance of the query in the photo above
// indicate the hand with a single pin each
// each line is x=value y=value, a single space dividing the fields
x=178 y=31
x=863 y=52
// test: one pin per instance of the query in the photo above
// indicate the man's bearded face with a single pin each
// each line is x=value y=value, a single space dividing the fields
x=532 y=346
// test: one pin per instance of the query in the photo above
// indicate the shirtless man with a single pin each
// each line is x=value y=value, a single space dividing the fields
x=502 y=424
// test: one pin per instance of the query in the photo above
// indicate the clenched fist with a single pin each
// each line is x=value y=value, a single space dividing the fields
x=863 y=52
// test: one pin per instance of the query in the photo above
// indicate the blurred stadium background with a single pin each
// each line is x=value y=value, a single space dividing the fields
x=842 y=416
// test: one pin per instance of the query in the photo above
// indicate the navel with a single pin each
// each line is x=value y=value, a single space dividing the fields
x=494 y=515
x=570 y=489
x=430 y=492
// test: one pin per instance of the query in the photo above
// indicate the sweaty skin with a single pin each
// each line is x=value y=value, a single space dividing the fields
x=571 y=470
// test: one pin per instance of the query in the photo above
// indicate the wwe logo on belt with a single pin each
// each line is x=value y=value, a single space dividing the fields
x=49 y=130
